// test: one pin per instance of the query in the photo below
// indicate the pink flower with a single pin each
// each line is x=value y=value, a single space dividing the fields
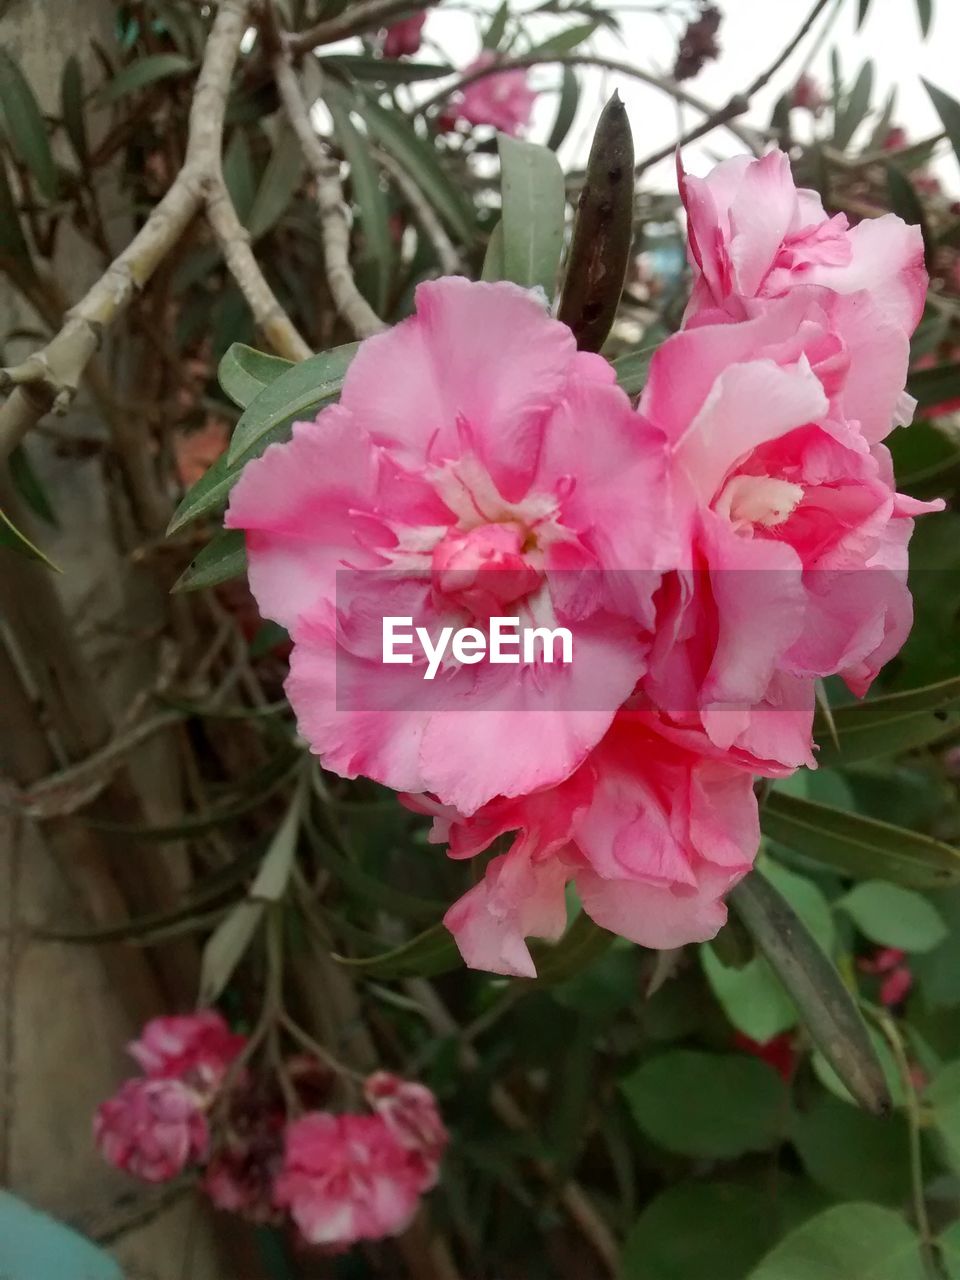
x=753 y=234
x=504 y=100
x=891 y=964
x=403 y=37
x=152 y=1129
x=411 y=1114
x=346 y=1178
x=808 y=95
x=472 y=436
x=651 y=834
x=196 y=1047
x=788 y=512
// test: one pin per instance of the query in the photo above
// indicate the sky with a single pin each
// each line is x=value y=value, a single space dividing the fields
x=752 y=34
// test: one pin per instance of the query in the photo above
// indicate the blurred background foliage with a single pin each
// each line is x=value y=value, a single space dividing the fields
x=661 y=1116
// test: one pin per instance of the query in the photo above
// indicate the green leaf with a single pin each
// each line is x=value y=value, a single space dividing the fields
x=72 y=107
x=632 y=368
x=13 y=243
x=498 y=25
x=244 y=372
x=855 y=108
x=226 y=947
x=602 y=234
x=709 y=1106
x=298 y=392
x=564 y=41
x=941 y=382
x=948 y=109
x=846 y=1242
x=826 y=1006
x=863 y=7
x=149 y=70
x=27 y=484
x=10 y=536
x=854 y=1155
x=566 y=108
x=531 y=183
x=894 y=917
x=238 y=174
x=25 y=126
x=372 y=890
x=279 y=183
x=859 y=846
x=582 y=943
x=925 y=16
x=359 y=66
x=493 y=258
x=942 y=1095
x=367 y=194
x=420 y=162
x=888 y=725
x=425 y=956
x=751 y=996
x=223 y=558
x=273 y=877
x=700 y=1231
x=906 y=204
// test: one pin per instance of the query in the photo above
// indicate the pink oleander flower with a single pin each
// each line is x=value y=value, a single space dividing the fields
x=346 y=1178
x=891 y=964
x=504 y=100
x=152 y=1129
x=651 y=834
x=795 y=537
x=412 y=1116
x=403 y=37
x=195 y=1047
x=476 y=461
x=753 y=234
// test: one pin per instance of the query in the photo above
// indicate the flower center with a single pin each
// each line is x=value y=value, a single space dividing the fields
x=484 y=568
x=763 y=500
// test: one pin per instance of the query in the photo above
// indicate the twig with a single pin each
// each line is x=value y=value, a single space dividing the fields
x=366 y=15
x=740 y=102
x=423 y=212
x=571 y=1195
x=348 y=299
x=748 y=137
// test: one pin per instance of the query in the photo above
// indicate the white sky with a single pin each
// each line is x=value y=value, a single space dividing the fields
x=752 y=34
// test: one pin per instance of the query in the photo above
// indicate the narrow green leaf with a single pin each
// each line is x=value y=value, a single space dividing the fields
x=372 y=890
x=942 y=1095
x=602 y=234
x=493 y=258
x=273 y=877
x=925 y=16
x=13 y=243
x=238 y=174
x=564 y=41
x=888 y=725
x=391 y=71
x=882 y=128
x=826 y=1006
x=566 y=108
x=855 y=108
x=948 y=109
x=498 y=25
x=299 y=391
x=280 y=180
x=208 y=494
x=533 y=208
x=906 y=204
x=367 y=194
x=223 y=558
x=28 y=485
x=425 y=956
x=72 y=107
x=145 y=72
x=244 y=371
x=935 y=385
x=26 y=127
x=852 y=1241
x=863 y=8
x=860 y=847
x=893 y=916
x=10 y=536
x=226 y=947
x=419 y=160
x=632 y=369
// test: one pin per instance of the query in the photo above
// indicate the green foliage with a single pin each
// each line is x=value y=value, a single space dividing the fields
x=852 y=1241
x=533 y=207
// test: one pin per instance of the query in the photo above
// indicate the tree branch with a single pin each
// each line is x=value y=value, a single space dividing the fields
x=748 y=137
x=366 y=15
x=335 y=227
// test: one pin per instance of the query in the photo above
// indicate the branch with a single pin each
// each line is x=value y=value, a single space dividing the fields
x=50 y=377
x=348 y=299
x=740 y=102
x=367 y=15
x=748 y=137
x=423 y=212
